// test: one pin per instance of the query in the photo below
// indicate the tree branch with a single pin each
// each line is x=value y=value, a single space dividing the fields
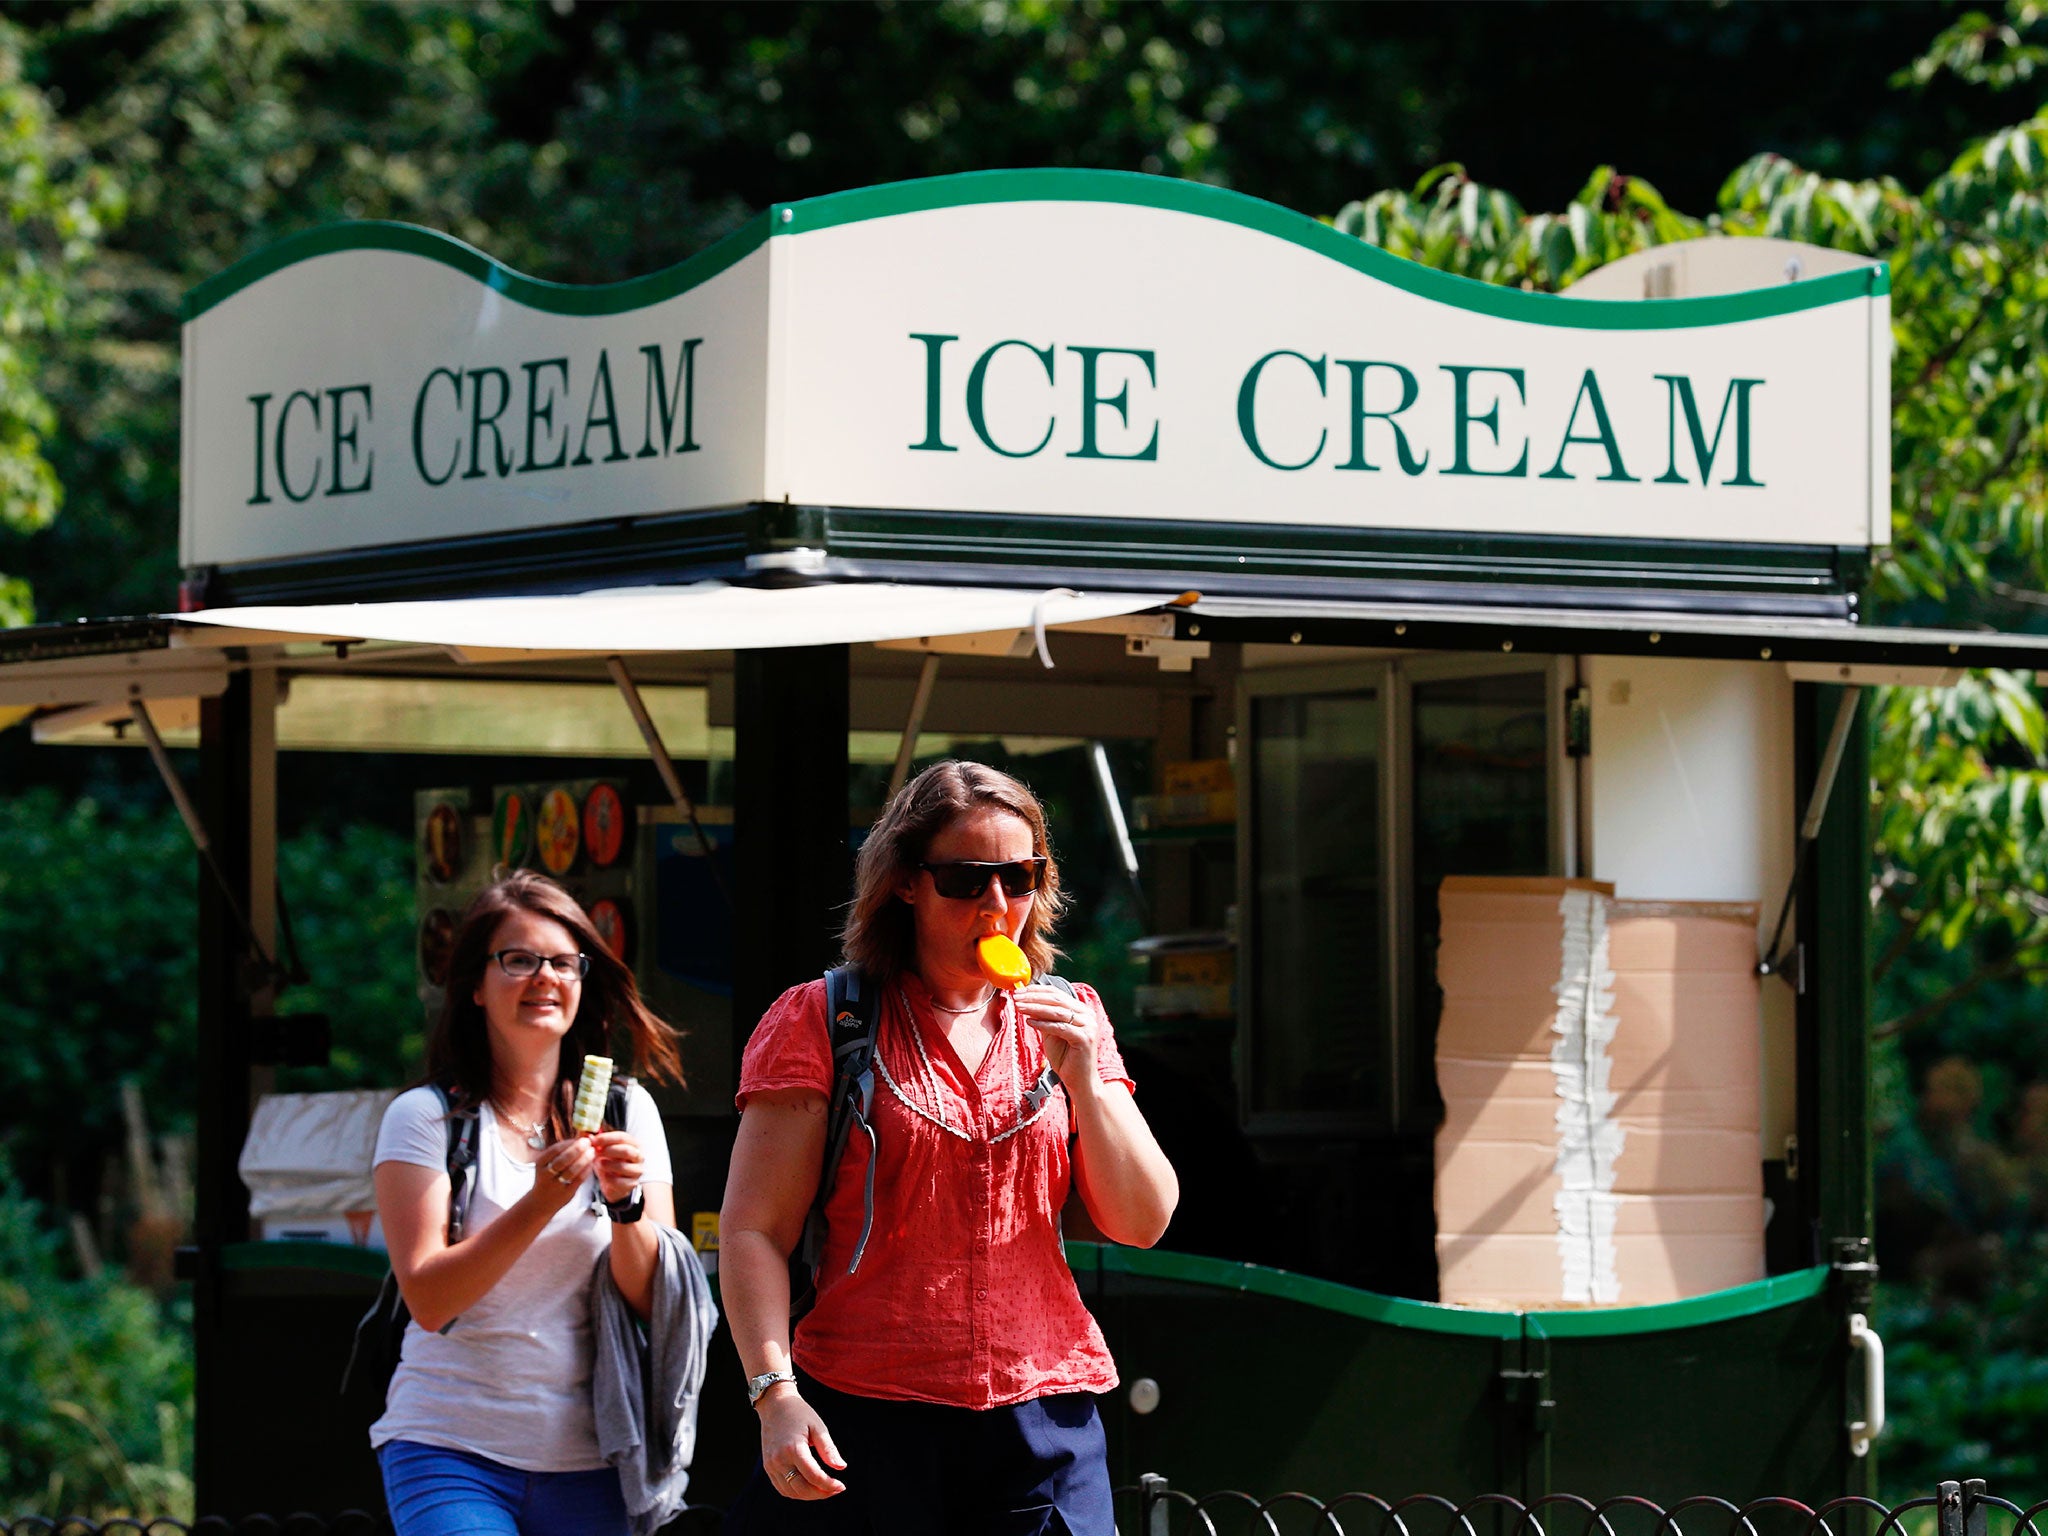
x=1943 y=356
x=1912 y=1018
x=1909 y=929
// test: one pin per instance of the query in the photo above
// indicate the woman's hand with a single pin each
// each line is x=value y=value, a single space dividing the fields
x=559 y=1172
x=797 y=1452
x=1069 y=1029
x=620 y=1163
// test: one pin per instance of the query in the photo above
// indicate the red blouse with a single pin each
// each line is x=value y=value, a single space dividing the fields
x=963 y=1296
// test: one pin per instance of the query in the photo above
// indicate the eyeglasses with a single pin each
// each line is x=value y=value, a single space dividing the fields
x=964 y=880
x=524 y=964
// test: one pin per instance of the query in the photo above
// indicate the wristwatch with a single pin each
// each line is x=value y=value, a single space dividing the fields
x=756 y=1385
x=628 y=1209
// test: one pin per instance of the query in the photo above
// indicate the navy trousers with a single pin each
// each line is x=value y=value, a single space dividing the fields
x=1039 y=1468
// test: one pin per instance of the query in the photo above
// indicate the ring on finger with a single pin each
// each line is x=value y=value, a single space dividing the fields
x=789 y=1476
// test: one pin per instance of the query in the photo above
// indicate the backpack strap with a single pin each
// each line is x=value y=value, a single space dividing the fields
x=1049 y=1080
x=462 y=1141
x=852 y=1012
x=616 y=1098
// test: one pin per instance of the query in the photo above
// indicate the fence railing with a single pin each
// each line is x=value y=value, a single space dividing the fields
x=1963 y=1508
x=1155 y=1508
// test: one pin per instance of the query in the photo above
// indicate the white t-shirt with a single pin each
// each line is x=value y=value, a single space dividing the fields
x=510 y=1379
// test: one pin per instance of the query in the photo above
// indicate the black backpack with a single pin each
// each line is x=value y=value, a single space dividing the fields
x=853 y=1012
x=380 y=1331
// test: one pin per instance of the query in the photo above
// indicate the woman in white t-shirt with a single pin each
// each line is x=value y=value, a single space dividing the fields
x=488 y=1425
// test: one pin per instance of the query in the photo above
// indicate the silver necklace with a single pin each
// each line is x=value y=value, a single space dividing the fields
x=970 y=1008
x=536 y=1134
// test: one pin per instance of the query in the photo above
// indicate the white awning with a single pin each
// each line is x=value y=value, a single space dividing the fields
x=705 y=616
x=107 y=663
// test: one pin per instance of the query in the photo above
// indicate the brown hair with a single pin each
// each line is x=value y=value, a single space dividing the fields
x=881 y=935
x=459 y=1045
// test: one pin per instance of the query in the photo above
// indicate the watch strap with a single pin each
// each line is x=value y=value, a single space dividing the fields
x=628 y=1209
x=756 y=1385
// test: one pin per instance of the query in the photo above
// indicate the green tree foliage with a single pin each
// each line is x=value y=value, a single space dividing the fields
x=236 y=124
x=56 y=206
x=97 y=981
x=95 y=1383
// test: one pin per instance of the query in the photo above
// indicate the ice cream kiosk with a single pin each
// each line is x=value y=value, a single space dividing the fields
x=1465 y=679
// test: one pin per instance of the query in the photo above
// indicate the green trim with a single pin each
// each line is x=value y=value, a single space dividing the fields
x=536 y=293
x=331 y=1257
x=1227 y=207
x=1694 y=1312
x=1399 y=1312
x=975 y=188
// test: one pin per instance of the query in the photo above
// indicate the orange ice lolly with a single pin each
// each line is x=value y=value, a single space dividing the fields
x=1002 y=962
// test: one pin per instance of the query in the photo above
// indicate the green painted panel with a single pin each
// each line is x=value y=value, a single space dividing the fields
x=1749 y=1407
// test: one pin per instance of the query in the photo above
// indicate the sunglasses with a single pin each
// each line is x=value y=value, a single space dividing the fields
x=964 y=880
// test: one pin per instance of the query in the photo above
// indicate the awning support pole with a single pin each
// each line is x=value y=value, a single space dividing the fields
x=906 y=749
x=1778 y=962
x=1113 y=812
x=138 y=711
x=665 y=766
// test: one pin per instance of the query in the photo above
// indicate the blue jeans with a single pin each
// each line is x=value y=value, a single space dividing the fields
x=433 y=1491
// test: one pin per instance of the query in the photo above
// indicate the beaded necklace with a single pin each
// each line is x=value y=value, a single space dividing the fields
x=1029 y=1105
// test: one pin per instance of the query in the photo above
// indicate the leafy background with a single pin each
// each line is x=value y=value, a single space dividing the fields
x=145 y=144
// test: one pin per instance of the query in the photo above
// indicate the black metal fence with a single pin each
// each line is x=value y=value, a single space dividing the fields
x=1155 y=1508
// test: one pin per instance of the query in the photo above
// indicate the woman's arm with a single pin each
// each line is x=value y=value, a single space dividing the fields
x=1126 y=1182
x=440 y=1282
x=635 y=1250
x=776 y=1163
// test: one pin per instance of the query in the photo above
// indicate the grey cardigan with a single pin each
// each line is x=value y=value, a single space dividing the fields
x=645 y=1379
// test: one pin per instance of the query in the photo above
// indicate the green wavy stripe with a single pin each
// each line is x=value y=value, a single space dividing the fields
x=1399 y=1312
x=1229 y=207
x=973 y=188
x=536 y=293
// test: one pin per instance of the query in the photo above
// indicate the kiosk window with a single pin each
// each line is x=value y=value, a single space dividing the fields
x=1480 y=777
x=1368 y=784
x=1318 y=905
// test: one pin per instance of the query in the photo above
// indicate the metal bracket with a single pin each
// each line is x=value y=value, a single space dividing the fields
x=1172 y=655
x=1787 y=962
x=1527 y=1390
x=261 y=969
x=1578 y=721
x=664 y=765
x=920 y=701
x=1855 y=1269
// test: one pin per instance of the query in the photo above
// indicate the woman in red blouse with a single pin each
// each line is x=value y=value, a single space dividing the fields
x=946 y=1384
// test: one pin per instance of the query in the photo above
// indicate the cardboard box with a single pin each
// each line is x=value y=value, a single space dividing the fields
x=1599 y=1062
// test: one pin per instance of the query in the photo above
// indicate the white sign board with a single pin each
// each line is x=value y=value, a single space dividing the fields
x=1081 y=343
